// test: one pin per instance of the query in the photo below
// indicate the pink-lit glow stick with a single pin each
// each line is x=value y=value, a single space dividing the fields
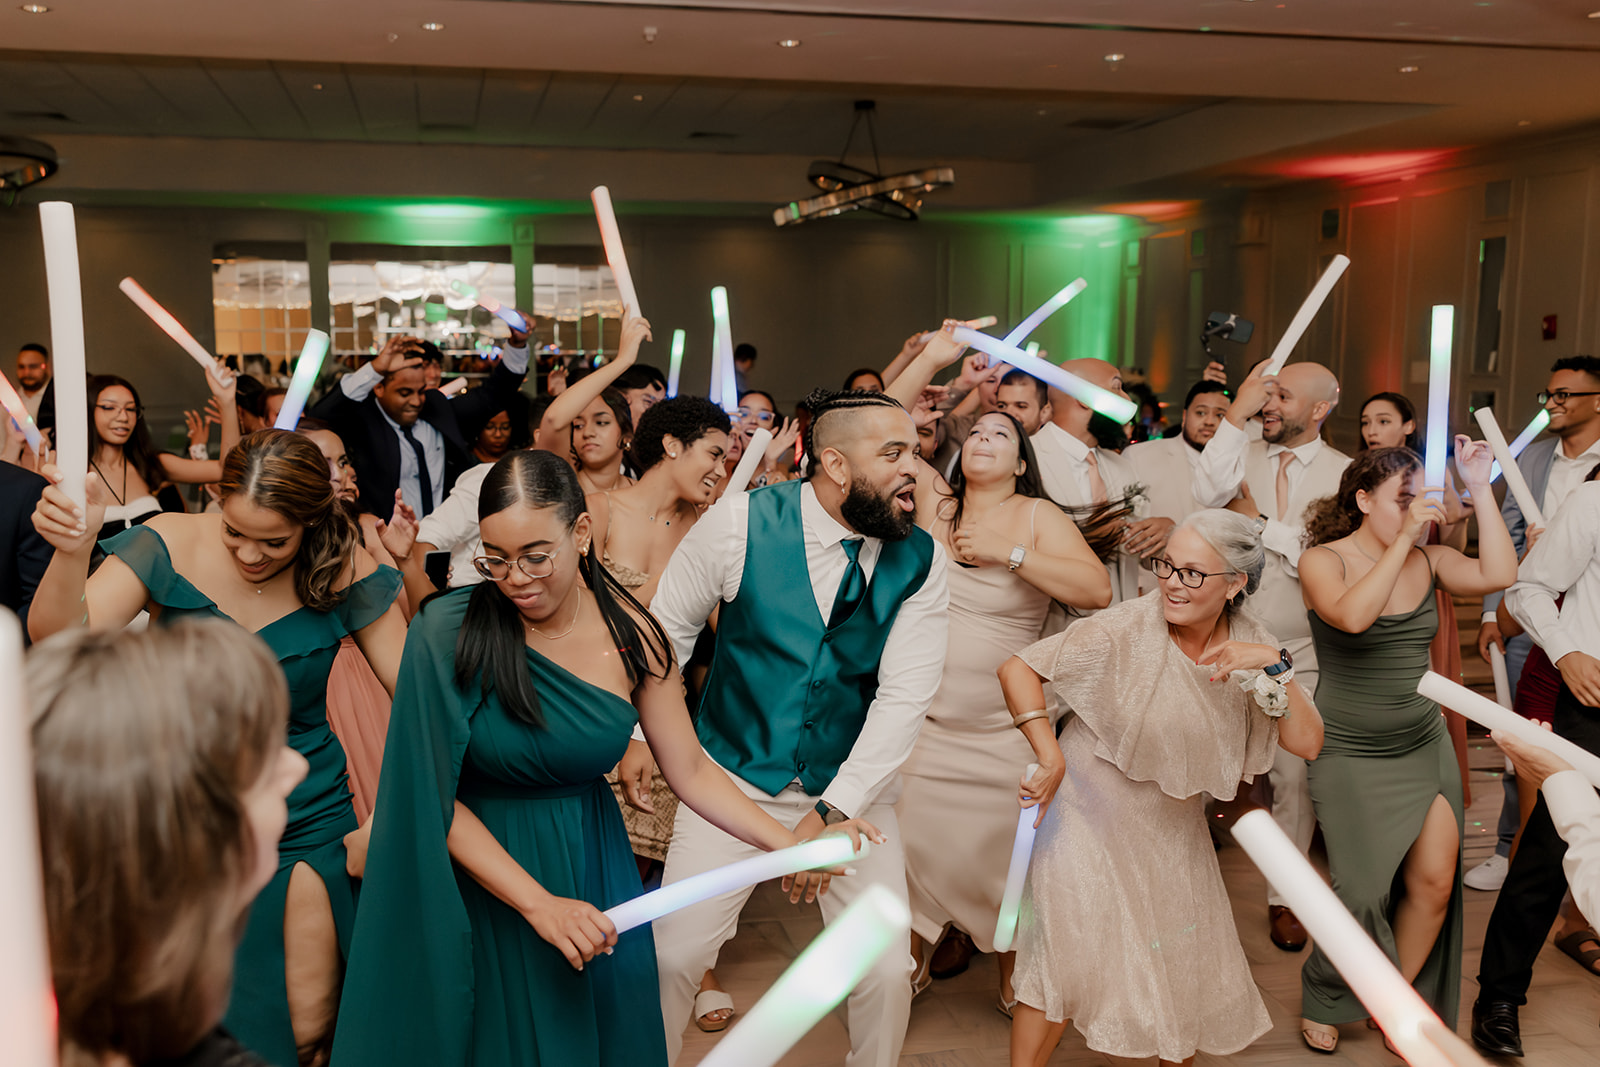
x=170 y=326
x=11 y=400
x=27 y=999
x=506 y=315
x=1308 y=311
x=754 y=452
x=1005 y=927
x=611 y=237
x=60 y=232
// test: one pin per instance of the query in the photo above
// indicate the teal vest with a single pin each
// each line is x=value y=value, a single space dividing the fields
x=787 y=697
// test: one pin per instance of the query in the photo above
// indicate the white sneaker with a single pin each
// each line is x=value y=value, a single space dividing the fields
x=1488 y=875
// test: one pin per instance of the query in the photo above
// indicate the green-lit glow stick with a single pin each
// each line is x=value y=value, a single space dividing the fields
x=724 y=386
x=824 y=974
x=1045 y=310
x=1005 y=927
x=1032 y=349
x=676 y=364
x=1117 y=408
x=1441 y=341
x=306 y=370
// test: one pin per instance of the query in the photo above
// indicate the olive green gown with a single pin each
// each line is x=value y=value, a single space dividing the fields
x=1386 y=755
x=320 y=811
x=443 y=973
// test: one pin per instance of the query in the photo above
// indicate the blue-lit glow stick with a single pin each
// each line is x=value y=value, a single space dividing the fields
x=675 y=365
x=1308 y=311
x=1005 y=927
x=306 y=370
x=1441 y=341
x=828 y=850
x=12 y=402
x=492 y=306
x=1523 y=440
x=823 y=975
x=1045 y=310
x=1117 y=408
x=727 y=388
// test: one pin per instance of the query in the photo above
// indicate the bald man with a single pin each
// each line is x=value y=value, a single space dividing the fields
x=1275 y=479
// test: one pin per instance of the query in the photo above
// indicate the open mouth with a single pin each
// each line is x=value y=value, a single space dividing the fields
x=907 y=498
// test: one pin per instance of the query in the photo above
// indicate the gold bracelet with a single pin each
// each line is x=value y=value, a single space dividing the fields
x=1029 y=716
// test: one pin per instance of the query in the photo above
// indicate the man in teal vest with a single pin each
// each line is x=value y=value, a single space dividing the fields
x=830 y=646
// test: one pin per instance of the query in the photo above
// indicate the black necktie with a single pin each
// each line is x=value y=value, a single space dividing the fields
x=851 y=587
x=423 y=479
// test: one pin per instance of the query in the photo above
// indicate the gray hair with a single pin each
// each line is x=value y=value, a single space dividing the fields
x=1235 y=538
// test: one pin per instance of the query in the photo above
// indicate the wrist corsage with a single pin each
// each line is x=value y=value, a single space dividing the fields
x=1271 y=694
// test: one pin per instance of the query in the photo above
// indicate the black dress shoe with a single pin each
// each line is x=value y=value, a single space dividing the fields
x=1494 y=1028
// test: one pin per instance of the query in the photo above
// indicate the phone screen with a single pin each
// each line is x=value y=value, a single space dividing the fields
x=436 y=565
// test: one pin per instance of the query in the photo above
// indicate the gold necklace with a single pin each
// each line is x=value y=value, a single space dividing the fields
x=563 y=633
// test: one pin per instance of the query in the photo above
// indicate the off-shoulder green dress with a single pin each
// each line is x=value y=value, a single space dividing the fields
x=443 y=973
x=320 y=811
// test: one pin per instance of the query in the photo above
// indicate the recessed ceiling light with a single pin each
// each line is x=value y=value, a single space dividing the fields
x=1115 y=57
x=789 y=42
x=433 y=27
x=36 y=9
x=1409 y=69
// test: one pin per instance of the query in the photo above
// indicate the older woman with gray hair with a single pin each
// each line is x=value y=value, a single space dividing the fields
x=1126 y=928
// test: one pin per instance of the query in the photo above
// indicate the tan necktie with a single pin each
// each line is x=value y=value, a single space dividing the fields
x=1285 y=458
x=1097 y=484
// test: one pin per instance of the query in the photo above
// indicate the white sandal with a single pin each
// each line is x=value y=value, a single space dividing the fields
x=707 y=1001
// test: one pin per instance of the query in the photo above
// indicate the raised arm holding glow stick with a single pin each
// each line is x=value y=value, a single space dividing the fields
x=1005 y=928
x=306 y=371
x=755 y=450
x=66 y=334
x=1117 y=408
x=1308 y=311
x=1515 y=482
x=675 y=364
x=611 y=237
x=12 y=402
x=170 y=326
x=1441 y=340
x=1480 y=709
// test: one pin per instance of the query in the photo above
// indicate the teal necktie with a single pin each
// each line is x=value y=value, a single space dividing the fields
x=852 y=587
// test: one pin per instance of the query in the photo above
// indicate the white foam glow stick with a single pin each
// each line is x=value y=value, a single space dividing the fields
x=828 y=850
x=66 y=336
x=11 y=400
x=611 y=237
x=1308 y=311
x=453 y=386
x=1485 y=712
x=1119 y=409
x=1514 y=479
x=1404 y=1016
x=726 y=385
x=1005 y=927
x=823 y=975
x=27 y=1000
x=170 y=326
x=676 y=363
x=306 y=370
x=1044 y=311
x=754 y=452
x=1523 y=440
x=1502 y=680
x=1441 y=340
x=1032 y=349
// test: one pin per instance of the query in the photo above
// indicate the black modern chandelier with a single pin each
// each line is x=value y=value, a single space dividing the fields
x=846 y=188
x=22 y=163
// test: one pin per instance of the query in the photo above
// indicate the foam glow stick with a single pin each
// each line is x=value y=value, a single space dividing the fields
x=727 y=386
x=306 y=370
x=676 y=363
x=1308 y=311
x=1107 y=403
x=754 y=452
x=169 y=325
x=1523 y=440
x=1485 y=712
x=27 y=1000
x=823 y=975
x=1508 y=466
x=1005 y=928
x=1502 y=680
x=66 y=335
x=611 y=237
x=1032 y=349
x=506 y=315
x=1044 y=311
x=453 y=386
x=982 y=322
x=1395 y=1005
x=1441 y=339
x=828 y=850
x=12 y=402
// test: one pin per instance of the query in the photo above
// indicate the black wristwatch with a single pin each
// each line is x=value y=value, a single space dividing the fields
x=1284 y=663
x=831 y=816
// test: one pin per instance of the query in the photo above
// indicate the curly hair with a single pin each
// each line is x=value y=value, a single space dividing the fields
x=285 y=473
x=1336 y=516
x=688 y=418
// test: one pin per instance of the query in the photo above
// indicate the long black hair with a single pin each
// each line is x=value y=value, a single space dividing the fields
x=138 y=451
x=1402 y=405
x=492 y=642
x=1028 y=482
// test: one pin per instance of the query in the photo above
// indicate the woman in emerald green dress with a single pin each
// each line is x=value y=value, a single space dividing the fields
x=1386 y=788
x=496 y=843
x=284 y=562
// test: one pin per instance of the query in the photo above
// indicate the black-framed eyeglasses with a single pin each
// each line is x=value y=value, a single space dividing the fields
x=1163 y=569
x=1560 y=396
x=533 y=564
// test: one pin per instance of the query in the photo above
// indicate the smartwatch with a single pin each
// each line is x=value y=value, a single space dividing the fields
x=1285 y=661
x=831 y=816
x=1018 y=554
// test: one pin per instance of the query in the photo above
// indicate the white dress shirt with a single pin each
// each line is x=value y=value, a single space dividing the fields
x=708 y=568
x=1565 y=476
x=1077 y=471
x=1220 y=472
x=1575 y=809
x=454 y=526
x=1566 y=560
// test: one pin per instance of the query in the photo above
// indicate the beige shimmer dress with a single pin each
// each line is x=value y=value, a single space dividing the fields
x=1126 y=928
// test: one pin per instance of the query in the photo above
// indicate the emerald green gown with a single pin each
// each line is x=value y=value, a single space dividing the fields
x=320 y=811
x=444 y=974
x=1386 y=756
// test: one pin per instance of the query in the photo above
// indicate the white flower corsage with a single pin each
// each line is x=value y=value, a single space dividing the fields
x=1271 y=694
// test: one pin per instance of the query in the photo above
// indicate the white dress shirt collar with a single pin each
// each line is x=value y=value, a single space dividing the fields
x=820 y=525
x=1304 y=453
x=1070 y=444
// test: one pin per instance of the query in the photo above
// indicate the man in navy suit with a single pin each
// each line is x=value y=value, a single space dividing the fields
x=402 y=435
x=23 y=553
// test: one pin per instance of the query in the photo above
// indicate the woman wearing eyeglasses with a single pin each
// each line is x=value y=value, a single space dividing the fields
x=497 y=843
x=1126 y=927
x=1387 y=791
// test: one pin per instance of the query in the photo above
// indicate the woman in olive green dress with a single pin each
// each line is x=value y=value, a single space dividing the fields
x=1386 y=788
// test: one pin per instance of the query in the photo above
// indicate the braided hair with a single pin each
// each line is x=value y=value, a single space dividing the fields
x=824 y=402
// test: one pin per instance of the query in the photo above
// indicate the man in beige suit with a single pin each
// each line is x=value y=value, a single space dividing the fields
x=1275 y=479
x=1166 y=465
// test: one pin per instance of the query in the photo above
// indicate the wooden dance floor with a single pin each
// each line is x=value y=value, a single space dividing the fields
x=956 y=1024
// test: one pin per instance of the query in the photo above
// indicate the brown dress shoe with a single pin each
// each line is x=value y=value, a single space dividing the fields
x=1286 y=931
x=953 y=955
